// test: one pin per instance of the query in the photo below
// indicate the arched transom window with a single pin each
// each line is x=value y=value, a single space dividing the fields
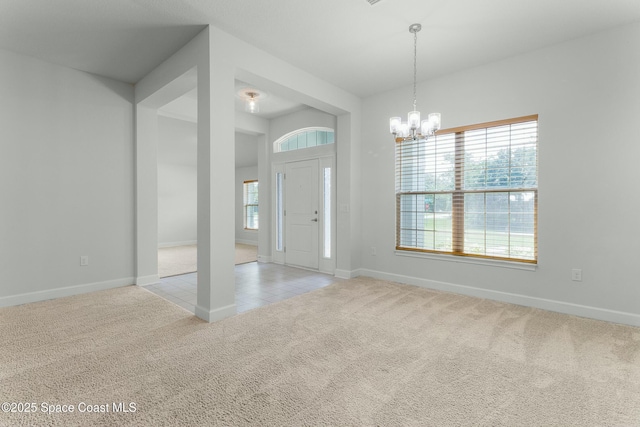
x=304 y=138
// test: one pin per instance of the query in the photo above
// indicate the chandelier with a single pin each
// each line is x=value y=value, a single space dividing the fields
x=413 y=129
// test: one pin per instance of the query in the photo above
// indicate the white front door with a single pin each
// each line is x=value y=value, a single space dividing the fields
x=301 y=213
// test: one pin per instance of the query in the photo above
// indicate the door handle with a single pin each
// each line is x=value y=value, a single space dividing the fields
x=315 y=220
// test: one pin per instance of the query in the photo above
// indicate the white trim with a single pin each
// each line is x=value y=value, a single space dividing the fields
x=347 y=274
x=469 y=260
x=247 y=242
x=176 y=116
x=63 y=292
x=147 y=280
x=310 y=153
x=172 y=244
x=217 y=314
x=528 y=301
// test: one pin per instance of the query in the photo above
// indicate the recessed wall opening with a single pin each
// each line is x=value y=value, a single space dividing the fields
x=177 y=200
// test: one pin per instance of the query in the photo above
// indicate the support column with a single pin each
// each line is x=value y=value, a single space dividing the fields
x=216 y=195
x=349 y=231
x=146 y=195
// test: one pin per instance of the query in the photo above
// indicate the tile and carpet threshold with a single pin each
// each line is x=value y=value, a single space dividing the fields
x=257 y=285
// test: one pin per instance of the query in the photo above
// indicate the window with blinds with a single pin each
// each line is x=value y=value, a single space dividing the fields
x=250 y=205
x=470 y=191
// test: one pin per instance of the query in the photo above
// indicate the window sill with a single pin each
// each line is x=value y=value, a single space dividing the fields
x=469 y=260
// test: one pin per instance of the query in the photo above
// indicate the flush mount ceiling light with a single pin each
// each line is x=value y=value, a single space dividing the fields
x=251 y=102
x=413 y=129
x=251 y=97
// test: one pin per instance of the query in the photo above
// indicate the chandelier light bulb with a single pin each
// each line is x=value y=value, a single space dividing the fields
x=394 y=124
x=414 y=119
x=405 y=131
x=434 y=118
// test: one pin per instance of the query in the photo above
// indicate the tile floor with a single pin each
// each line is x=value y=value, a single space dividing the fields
x=257 y=284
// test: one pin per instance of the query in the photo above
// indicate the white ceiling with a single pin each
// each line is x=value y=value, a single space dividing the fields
x=362 y=48
x=271 y=105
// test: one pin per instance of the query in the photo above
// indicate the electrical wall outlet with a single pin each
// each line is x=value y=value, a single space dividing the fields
x=373 y=251
x=84 y=260
x=576 y=275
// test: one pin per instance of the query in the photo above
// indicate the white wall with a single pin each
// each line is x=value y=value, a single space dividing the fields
x=245 y=174
x=177 y=182
x=66 y=181
x=587 y=95
x=246 y=147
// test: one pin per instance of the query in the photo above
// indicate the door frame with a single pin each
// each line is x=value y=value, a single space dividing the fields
x=326 y=264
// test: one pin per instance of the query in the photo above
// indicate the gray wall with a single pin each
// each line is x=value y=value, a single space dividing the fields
x=587 y=94
x=177 y=182
x=246 y=147
x=177 y=186
x=66 y=180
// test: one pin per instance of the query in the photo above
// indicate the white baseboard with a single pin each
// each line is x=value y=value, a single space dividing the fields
x=217 y=314
x=147 y=280
x=528 y=301
x=247 y=242
x=347 y=274
x=171 y=244
x=63 y=292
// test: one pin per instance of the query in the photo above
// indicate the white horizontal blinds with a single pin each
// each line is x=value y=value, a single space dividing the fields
x=425 y=177
x=251 y=205
x=470 y=191
x=500 y=190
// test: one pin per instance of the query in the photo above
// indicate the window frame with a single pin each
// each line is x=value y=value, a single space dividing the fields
x=277 y=144
x=246 y=205
x=458 y=194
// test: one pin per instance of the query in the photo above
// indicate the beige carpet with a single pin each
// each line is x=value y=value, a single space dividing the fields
x=184 y=259
x=358 y=352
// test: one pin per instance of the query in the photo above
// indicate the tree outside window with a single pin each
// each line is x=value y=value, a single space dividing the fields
x=470 y=191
